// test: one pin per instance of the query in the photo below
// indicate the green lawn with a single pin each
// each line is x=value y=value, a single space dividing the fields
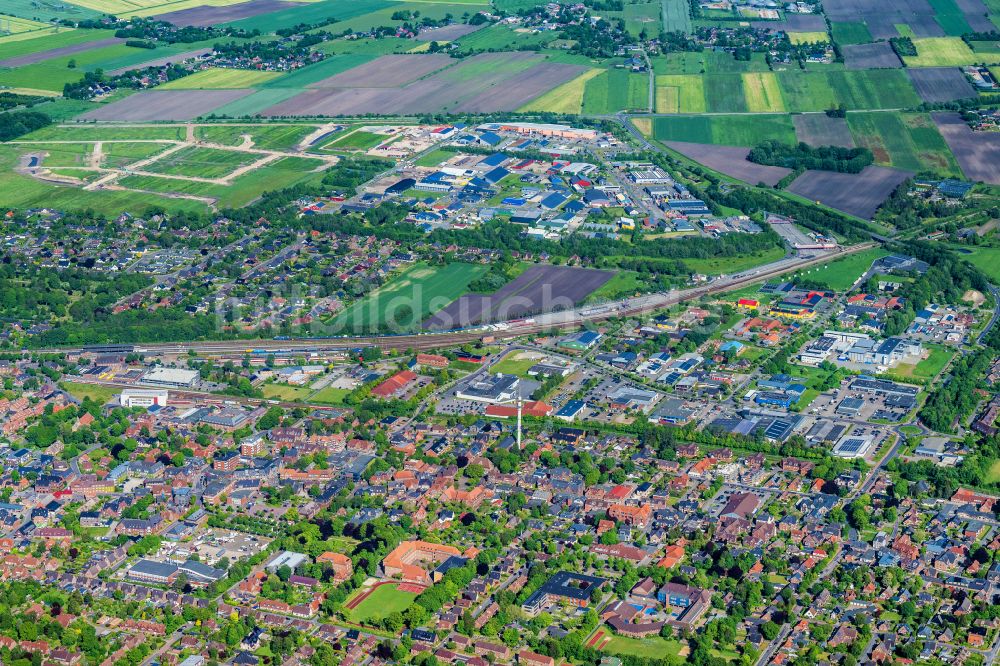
x=384 y=601
x=95 y=392
x=515 y=364
x=986 y=259
x=201 y=162
x=652 y=646
x=929 y=367
x=357 y=140
x=993 y=476
x=841 y=274
x=330 y=395
x=285 y=392
x=409 y=297
x=266 y=137
x=729 y=265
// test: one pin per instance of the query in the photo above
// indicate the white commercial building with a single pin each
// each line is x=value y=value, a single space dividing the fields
x=172 y=377
x=143 y=398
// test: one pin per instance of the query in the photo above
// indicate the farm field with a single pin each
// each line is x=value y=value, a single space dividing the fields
x=247 y=106
x=851 y=32
x=42 y=46
x=941 y=52
x=217 y=78
x=680 y=93
x=676 y=16
x=839 y=275
x=906 y=141
x=730 y=160
x=316 y=11
x=819 y=129
x=382 y=602
x=54 y=72
x=408 y=297
x=812 y=37
x=724 y=93
x=762 y=92
x=871 y=89
x=47 y=10
x=616 y=90
x=567 y=98
x=858 y=194
x=732 y=130
x=976 y=152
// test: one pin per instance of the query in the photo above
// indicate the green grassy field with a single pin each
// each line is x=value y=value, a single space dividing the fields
x=986 y=259
x=47 y=10
x=201 y=162
x=315 y=73
x=734 y=130
x=616 y=90
x=434 y=158
x=54 y=73
x=95 y=392
x=310 y=13
x=220 y=79
x=285 y=392
x=256 y=102
x=358 y=140
x=104 y=133
x=676 y=16
x=385 y=600
x=67 y=37
x=841 y=274
x=241 y=191
x=724 y=93
x=330 y=396
x=729 y=265
x=929 y=367
x=268 y=137
x=680 y=93
x=858 y=90
x=651 y=646
x=120 y=154
x=762 y=92
x=409 y=297
x=502 y=38
x=851 y=33
x=950 y=17
x=21 y=191
x=515 y=363
x=907 y=141
x=941 y=52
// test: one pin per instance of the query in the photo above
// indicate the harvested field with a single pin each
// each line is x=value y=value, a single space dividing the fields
x=40 y=56
x=389 y=71
x=447 y=33
x=475 y=84
x=206 y=16
x=870 y=56
x=166 y=105
x=882 y=16
x=528 y=85
x=819 y=129
x=538 y=289
x=978 y=153
x=730 y=160
x=940 y=84
x=567 y=98
x=855 y=194
x=161 y=61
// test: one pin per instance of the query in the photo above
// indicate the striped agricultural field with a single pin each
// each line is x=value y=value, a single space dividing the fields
x=566 y=98
x=680 y=93
x=762 y=92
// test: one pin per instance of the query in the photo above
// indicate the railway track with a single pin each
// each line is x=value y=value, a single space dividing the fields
x=548 y=322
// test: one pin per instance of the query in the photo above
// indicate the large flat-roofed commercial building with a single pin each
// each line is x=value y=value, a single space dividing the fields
x=491 y=389
x=172 y=377
x=143 y=398
x=853 y=446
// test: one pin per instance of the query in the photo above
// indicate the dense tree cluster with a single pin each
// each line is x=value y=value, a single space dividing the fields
x=804 y=156
x=18 y=123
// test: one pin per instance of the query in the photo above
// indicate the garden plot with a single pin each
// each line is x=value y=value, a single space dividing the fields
x=940 y=84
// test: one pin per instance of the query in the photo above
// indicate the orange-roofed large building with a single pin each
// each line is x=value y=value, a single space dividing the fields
x=411 y=561
x=395 y=384
x=672 y=557
x=341 y=564
x=631 y=515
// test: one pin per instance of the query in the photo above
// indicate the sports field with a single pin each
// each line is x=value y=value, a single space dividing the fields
x=941 y=52
x=217 y=78
x=406 y=299
x=762 y=92
x=383 y=601
x=840 y=275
